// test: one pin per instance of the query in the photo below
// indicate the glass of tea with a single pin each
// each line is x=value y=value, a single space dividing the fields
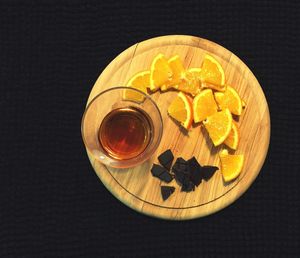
x=122 y=127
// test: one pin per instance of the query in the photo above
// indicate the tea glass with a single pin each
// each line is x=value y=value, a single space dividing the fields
x=105 y=102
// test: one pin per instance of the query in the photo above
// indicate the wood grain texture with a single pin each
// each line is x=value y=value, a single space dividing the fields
x=136 y=187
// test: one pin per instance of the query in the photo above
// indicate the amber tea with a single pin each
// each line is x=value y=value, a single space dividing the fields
x=125 y=132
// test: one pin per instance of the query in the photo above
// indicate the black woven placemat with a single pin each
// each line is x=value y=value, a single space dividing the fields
x=51 y=202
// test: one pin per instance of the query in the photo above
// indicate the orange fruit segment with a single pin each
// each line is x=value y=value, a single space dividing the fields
x=139 y=81
x=231 y=165
x=177 y=72
x=230 y=99
x=218 y=126
x=189 y=84
x=195 y=71
x=212 y=74
x=160 y=72
x=181 y=110
x=233 y=138
x=204 y=105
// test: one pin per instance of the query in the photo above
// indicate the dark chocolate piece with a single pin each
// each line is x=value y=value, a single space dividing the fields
x=183 y=175
x=166 y=159
x=180 y=160
x=195 y=171
x=166 y=177
x=161 y=173
x=179 y=176
x=180 y=165
x=188 y=174
x=168 y=165
x=157 y=170
x=166 y=191
x=181 y=170
x=187 y=186
x=208 y=171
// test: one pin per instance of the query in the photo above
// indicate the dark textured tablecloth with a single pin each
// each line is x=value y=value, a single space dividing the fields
x=52 y=203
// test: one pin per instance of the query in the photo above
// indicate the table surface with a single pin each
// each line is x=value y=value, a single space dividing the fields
x=53 y=204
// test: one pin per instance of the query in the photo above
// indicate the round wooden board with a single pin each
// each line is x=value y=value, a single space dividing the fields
x=136 y=187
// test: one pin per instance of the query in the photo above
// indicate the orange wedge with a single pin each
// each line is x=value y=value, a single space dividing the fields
x=231 y=165
x=196 y=71
x=212 y=74
x=160 y=72
x=190 y=83
x=233 y=138
x=139 y=81
x=204 y=105
x=218 y=126
x=181 y=110
x=177 y=72
x=230 y=99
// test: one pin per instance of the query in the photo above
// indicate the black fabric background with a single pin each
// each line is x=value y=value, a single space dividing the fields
x=52 y=203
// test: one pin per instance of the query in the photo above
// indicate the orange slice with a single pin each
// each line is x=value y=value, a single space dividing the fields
x=233 y=138
x=160 y=72
x=196 y=71
x=230 y=99
x=190 y=83
x=181 y=110
x=218 y=126
x=231 y=165
x=204 y=105
x=212 y=74
x=177 y=71
x=139 y=81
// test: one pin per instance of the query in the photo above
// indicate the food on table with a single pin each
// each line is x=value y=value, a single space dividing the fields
x=204 y=105
x=140 y=81
x=231 y=165
x=182 y=175
x=160 y=72
x=218 y=126
x=208 y=172
x=230 y=99
x=181 y=110
x=190 y=83
x=161 y=173
x=188 y=174
x=233 y=138
x=166 y=159
x=166 y=191
x=212 y=74
x=196 y=171
x=177 y=73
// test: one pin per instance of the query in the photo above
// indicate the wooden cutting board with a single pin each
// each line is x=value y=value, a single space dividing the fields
x=136 y=187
